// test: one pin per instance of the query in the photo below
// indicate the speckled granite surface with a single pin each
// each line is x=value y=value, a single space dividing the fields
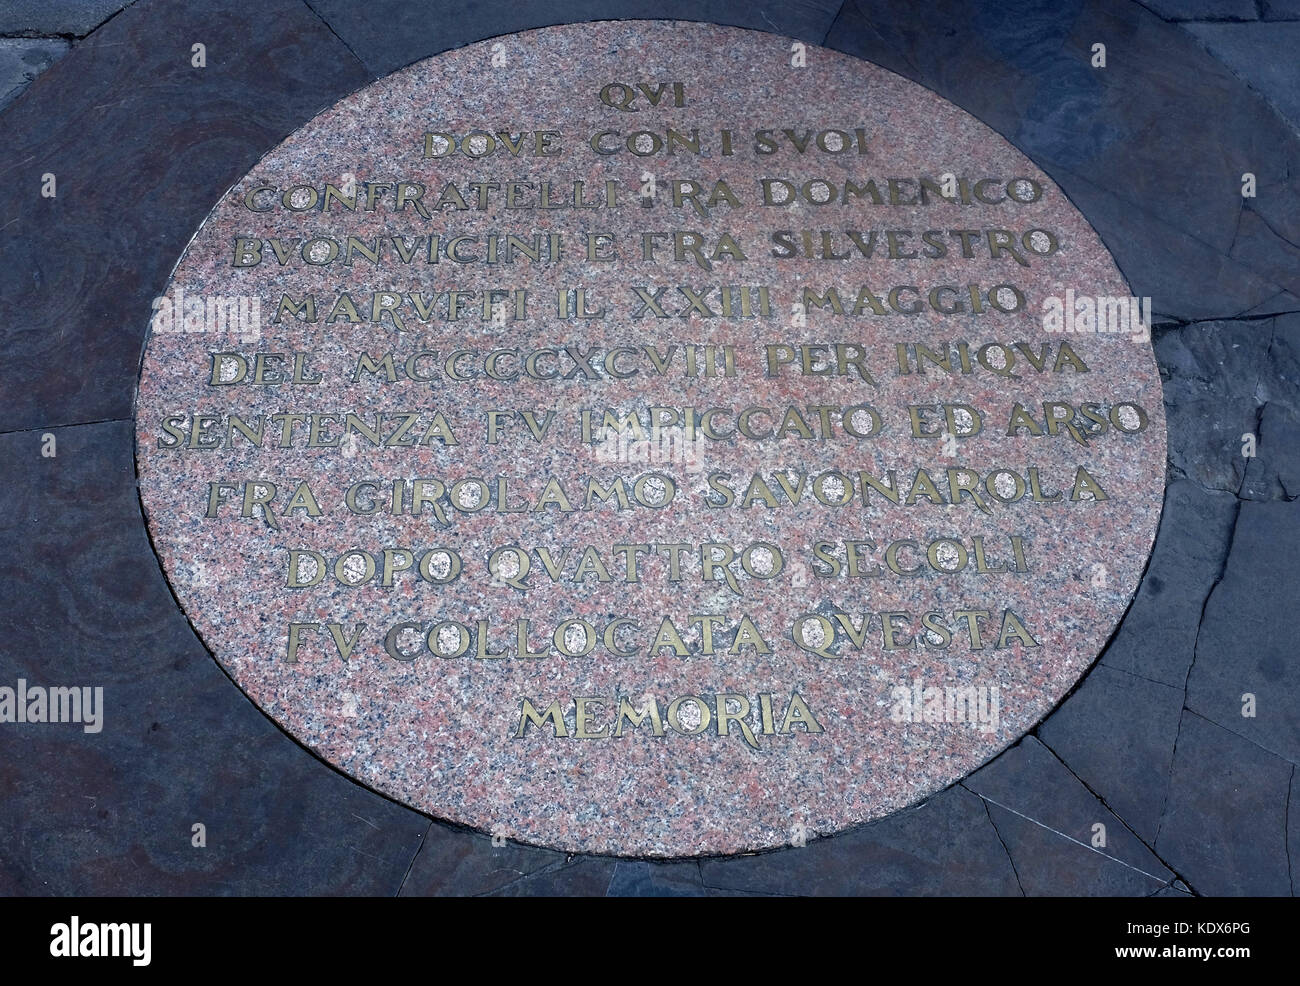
x=439 y=732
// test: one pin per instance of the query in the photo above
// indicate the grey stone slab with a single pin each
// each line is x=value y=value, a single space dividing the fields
x=75 y=17
x=22 y=60
x=1180 y=99
x=1185 y=277
x=141 y=145
x=1224 y=828
x=1247 y=643
x=654 y=879
x=1032 y=784
x=1049 y=866
x=1158 y=633
x=945 y=846
x=388 y=34
x=1202 y=10
x=111 y=813
x=979 y=41
x=1215 y=372
x=459 y=862
x=585 y=876
x=1107 y=135
x=89 y=595
x=1117 y=733
x=1264 y=55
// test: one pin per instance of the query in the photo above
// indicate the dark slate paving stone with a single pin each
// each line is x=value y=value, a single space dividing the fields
x=1106 y=135
x=1049 y=866
x=1268 y=231
x=1180 y=99
x=979 y=40
x=647 y=879
x=142 y=145
x=586 y=876
x=1263 y=55
x=1247 y=642
x=111 y=813
x=1214 y=373
x=1029 y=781
x=1158 y=633
x=1224 y=828
x=945 y=846
x=74 y=17
x=22 y=60
x=459 y=862
x=1170 y=892
x=1274 y=473
x=1185 y=278
x=1203 y=10
x=1116 y=733
x=1281 y=10
x=388 y=34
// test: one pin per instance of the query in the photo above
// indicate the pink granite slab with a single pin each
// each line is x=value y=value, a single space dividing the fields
x=440 y=732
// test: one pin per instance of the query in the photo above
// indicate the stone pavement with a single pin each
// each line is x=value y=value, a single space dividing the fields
x=1153 y=745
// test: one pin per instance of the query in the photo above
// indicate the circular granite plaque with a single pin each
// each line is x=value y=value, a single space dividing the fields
x=650 y=438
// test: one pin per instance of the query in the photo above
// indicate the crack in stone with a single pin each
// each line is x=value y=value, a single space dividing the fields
x=1178 y=323
x=1088 y=787
x=1223 y=569
x=1069 y=838
x=1253 y=742
x=1154 y=13
x=1179 y=473
x=917 y=74
x=72 y=424
x=1109 y=667
x=33 y=35
x=1173 y=759
x=1256 y=430
x=1268 y=357
x=1259 y=377
x=1268 y=226
x=747 y=893
x=763 y=14
x=834 y=20
x=330 y=27
x=1171 y=885
x=1286 y=831
x=699 y=877
x=415 y=855
x=1236 y=231
x=554 y=867
x=1001 y=842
